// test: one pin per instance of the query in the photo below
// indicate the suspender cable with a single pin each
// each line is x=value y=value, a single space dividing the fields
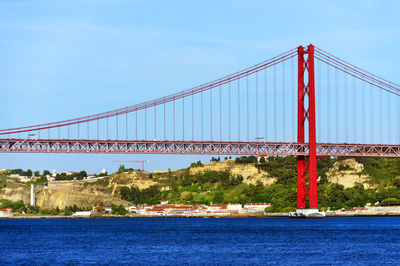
x=211 y=115
x=354 y=112
x=372 y=113
x=220 y=114
x=77 y=129
x=380 y=116
x=398 y=118
x=202 y=118
x=389 y=118
x=165 y=127
x=328 y=101
x=145 y=124
x=363 y=112
x=155 y=121
x=136 y=123
x=238 y=95
x=294 y=104
x=257 y=105
x=229 y=110
x=117 y=126
x=283 y=102
x=275 y=103
x=97 y=122
x=107 y=128
x=173 y=118
x=265 y=106
x=319 y=100
x=126 y=125
x=192 y=117
x=183 y=118
x=247 y=107
x=345 y=107
x=337 y=105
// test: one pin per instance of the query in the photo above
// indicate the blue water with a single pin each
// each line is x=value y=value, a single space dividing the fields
x=355 y=240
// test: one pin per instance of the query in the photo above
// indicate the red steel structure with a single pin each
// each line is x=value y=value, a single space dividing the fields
x=304 y=115
x=345 y=101
x=195 y=147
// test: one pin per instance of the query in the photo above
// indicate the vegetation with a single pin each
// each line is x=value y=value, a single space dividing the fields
x=74 y=176
x=187 y=186
x=223 y=187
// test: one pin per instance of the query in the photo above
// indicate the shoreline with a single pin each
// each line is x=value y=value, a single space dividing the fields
x=272 y=215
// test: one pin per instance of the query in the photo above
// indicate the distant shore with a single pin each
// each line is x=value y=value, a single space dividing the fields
x=268 y=215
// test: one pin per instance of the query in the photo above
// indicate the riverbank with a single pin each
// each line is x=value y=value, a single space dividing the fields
x=269 y=215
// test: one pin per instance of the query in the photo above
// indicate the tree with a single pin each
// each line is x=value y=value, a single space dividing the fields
x=46 y=172
x=121 y=210
x=29 y=173
x=121 y=168
x=82 y=174
x=218 y=198
x=37 y=173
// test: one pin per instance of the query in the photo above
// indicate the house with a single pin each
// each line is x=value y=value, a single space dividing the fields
x=108 y=209
x=163 y=202
x=98 y=209
x=90 y=177
x=256 y=207
x=132 y=208
x=6 y=212
x=217 y=209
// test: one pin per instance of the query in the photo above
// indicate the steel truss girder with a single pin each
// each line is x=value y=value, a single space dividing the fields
x=194 y=147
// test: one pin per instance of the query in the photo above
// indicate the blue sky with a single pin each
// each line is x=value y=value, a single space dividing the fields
x=63 y=59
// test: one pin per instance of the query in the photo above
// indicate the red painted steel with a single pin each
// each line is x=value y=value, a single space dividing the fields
x=193 y=147
x=301 y=160
x=312 y=157
x=303 y=116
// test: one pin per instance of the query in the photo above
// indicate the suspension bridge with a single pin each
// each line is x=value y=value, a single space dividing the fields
x=305 y=102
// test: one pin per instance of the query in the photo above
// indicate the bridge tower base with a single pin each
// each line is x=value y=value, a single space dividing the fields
x=307 y=163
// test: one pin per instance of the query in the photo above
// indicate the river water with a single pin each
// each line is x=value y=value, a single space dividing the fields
x=333 y=240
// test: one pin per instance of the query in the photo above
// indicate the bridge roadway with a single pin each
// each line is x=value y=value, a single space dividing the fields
x=193 y=147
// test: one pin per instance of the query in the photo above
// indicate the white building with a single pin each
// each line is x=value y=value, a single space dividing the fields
x=54 y=173
x=82 y=214
x=234 y=208
x=103 y=171
x=256 y=207
x=131 y=209
x=7 y=212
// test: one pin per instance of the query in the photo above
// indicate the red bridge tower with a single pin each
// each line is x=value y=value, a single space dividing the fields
x=306 y=112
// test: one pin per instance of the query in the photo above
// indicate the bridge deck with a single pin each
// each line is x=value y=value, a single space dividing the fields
x=193 y=147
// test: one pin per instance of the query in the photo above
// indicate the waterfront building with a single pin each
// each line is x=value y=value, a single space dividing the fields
x=82 y=214
x=132 y=208
x=256 y=207
x=234 y=208
x=6 y=212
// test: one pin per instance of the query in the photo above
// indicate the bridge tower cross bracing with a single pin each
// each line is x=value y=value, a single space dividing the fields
x=306 y=114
